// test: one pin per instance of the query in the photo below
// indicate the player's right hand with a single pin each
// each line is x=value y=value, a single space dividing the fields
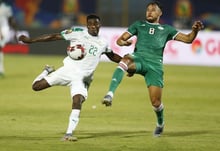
x=24 y=39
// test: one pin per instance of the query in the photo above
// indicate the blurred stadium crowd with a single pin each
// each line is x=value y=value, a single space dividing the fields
x=62 y=13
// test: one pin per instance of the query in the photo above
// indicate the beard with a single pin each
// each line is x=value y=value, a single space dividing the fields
x=151 y=19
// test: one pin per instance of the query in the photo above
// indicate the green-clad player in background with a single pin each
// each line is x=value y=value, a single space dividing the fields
x=147 y=58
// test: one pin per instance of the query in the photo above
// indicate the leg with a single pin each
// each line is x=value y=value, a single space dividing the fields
x=126 y=64
x=74 y=117
x=40 y=83
x=155 y=97
x=1 y=62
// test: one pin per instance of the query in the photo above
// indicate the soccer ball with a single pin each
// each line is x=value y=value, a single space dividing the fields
x=76 y=52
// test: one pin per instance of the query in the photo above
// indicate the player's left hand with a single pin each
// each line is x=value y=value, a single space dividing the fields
x=197 y=26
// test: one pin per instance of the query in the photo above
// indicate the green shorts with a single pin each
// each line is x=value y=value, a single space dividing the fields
x=152 y=71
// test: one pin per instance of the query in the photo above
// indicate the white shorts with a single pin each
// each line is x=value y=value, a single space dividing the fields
x=5 y=33
x=76 y=79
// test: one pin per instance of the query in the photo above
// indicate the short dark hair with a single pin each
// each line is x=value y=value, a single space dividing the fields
x=92 y=16
x=156 y=3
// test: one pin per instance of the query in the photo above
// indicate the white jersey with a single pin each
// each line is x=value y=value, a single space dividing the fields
x=5 y=13
x=94 y=47
x=78 y=74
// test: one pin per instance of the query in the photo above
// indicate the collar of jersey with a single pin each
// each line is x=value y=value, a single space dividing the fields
x=152 y=23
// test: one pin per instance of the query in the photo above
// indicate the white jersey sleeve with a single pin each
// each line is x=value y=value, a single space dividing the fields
x=76 y=36
x=107 y=50
x=72 y=34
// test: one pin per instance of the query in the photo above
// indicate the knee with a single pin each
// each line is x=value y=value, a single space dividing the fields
x=127 y=64
x=35 y=87
x=155 y=102
x=40 y=85
x=77 y=101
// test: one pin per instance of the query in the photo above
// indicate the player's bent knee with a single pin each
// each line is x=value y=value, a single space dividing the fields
x=40 y=85
x=36 y=87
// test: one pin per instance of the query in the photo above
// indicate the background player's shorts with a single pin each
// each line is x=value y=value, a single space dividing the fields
x=75 y=79
x=152 y=72
x=5 y=33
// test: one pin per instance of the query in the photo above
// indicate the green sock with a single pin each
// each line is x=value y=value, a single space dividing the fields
x=160 y=118
x=116 y=79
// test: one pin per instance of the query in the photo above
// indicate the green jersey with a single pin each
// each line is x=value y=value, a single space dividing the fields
x=151 y=39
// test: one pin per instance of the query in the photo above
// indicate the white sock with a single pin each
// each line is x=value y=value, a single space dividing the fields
x=73 y=121
x=159 y=108
x=110 y=93
x=1 y=62
x=41 y=76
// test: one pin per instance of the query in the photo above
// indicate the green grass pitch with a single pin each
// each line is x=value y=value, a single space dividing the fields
x=35 y=121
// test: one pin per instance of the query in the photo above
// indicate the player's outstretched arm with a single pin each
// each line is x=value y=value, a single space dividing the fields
x=188 y=38
x=114 y=57
x=42 y=38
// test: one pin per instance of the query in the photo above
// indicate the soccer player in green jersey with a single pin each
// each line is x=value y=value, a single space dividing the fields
x=147 y=58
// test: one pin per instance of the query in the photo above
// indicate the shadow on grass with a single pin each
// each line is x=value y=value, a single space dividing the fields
x=122 y=134
x=127 y=134
x=32 y=138
x=185 y=133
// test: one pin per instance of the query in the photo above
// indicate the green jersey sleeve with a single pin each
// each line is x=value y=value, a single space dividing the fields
x=132 y=29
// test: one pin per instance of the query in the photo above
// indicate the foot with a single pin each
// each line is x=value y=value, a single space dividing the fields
x=49 y=69
x=158 y=131
x=107 y=100
x=69 y=137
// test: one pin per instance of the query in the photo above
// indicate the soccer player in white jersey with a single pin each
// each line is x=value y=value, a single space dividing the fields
x=7 y=31
x=77 y=74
